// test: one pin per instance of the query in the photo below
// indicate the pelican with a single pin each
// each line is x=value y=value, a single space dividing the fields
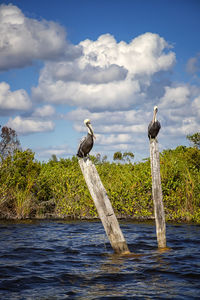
x=86 y=142
x=154 y=125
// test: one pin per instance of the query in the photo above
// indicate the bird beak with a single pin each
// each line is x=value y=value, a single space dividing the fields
x=91 y=129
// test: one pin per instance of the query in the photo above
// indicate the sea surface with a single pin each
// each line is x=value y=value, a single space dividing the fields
x=74 y=260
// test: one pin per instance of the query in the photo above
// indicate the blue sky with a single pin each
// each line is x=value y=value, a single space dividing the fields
x=110 y=61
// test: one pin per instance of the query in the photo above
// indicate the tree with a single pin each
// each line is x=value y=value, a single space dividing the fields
x=99 y=159
x=54 y=158
x=195 y=139
x=128 y=156
x=117 y=156
x=9 y=142
x=104 y=158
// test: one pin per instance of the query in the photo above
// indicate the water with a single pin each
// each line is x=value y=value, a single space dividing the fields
x=74 y=260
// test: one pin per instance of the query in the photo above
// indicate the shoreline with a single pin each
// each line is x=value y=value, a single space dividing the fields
x=93 y=219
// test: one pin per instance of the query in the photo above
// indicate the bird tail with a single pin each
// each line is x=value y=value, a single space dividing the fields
x=79 y=154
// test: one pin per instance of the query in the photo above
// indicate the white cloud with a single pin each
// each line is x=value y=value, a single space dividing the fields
x=143 y=55
x=114 y=139
x=23 y=40
x=115 y=84
x=109 y=75
x=67 y=71
x=44 y=111
x=178 y=112
x=110 y=122
x=128 y=117
x=60 y=151
x=16 y=100
x=193 y=64
x=196 y=106
x=175 y=97
x=187 y=126
x=27 y=126
x=115 y=95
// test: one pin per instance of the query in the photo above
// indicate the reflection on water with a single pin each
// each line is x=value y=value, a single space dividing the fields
x=74 y=260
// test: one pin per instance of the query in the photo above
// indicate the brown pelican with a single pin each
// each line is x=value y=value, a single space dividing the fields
x=86 y=142
x=154 y=125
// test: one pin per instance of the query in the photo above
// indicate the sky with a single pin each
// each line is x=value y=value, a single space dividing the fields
x=110 y=61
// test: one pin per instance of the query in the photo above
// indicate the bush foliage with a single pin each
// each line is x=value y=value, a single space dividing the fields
x=57 y=188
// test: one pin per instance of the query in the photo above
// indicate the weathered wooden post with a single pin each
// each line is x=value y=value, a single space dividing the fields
x=103 y=206
x=159 y=213
x=157 y=194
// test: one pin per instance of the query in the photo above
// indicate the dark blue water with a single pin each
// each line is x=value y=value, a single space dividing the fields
x=74 y=260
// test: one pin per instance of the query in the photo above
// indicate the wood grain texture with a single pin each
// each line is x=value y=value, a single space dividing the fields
x=103 y=206
x=157 y=194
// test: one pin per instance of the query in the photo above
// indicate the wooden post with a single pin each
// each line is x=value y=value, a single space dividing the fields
x=103 y=206
x=157 y=194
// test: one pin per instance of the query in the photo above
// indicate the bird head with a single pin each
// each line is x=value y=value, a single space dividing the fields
x=90 y=129
x=155 y=108
x=87 y=121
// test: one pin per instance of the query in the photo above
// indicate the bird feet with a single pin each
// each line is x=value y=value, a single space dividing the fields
x=86 y=158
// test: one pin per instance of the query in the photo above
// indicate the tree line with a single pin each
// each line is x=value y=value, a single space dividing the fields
x=33 y=189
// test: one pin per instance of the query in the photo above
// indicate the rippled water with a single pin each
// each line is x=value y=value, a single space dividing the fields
x=74 y=260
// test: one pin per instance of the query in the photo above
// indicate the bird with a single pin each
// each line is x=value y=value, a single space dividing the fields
x=154 y=125
x=86 y=143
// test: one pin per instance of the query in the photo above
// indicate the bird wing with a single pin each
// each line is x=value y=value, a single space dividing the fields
x=82 y=140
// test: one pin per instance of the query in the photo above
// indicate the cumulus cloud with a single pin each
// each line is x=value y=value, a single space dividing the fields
x=178 y=112
x=187 y=126
x=115 y=84
x=23 y=40
x=144 y=54
x=108 y=122
x=175 y=97
x=89 y=74
x=103 y=96
x=115 y=139
x=11 y=101
x=193 y=64
x=26 y=126
x=196 y=106
x=109 y=75
x=60 y=151
x=44 y=111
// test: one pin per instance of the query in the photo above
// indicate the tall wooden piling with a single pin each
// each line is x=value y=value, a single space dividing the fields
x=103 y=206
x=157 y=194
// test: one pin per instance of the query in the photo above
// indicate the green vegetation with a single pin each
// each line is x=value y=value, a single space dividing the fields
x=195 y=139
x=30 y=189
